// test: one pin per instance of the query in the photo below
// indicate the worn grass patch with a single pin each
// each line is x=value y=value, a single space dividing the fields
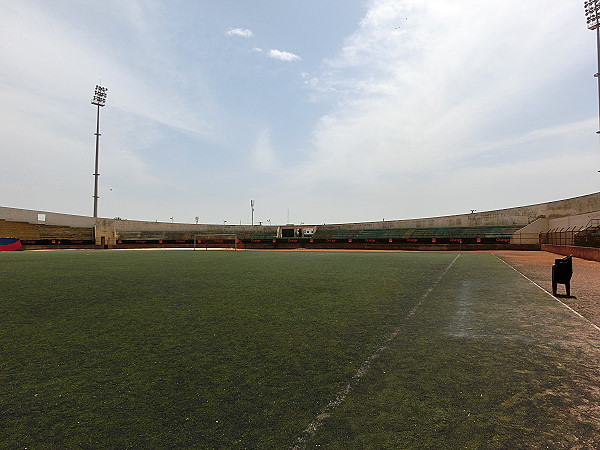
x=489 y=361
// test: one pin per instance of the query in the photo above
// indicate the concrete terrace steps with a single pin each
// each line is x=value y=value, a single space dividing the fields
x=466 y=232
x=264 y=235
x=21 y=230
x=69 y=233
x=34 y=232
x=419 y=233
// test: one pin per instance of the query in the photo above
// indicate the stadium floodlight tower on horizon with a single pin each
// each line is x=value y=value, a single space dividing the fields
x=592 y=14
x=99 y=100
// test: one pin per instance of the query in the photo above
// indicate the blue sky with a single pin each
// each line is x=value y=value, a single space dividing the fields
x=319 y=111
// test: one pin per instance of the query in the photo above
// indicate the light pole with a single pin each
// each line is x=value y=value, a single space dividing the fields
x=592 y=14
x=252 y=207
x=99 y=100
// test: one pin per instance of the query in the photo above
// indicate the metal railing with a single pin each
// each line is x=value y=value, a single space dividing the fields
x=588 y=236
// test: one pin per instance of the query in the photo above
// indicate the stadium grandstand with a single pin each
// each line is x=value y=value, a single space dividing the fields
x=572 y=224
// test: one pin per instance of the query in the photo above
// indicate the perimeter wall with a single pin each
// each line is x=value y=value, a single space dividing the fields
x=523 y=215
x=534 y=219
x=589 y=253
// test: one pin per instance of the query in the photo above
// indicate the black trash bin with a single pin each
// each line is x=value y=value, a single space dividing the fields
x=562 y=270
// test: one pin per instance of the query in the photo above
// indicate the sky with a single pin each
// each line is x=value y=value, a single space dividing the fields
x=320 y=111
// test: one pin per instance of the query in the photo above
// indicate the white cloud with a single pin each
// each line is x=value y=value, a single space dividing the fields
x=241 y=32
x=275 y=54
x=425 y=85
x=263 y=155
x=310 y=80
x=283 y=56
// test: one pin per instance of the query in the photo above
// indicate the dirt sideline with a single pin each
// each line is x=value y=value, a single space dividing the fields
x=585 y=283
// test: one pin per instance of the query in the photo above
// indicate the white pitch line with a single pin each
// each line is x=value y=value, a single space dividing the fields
x=342 y=394
x=550 y=294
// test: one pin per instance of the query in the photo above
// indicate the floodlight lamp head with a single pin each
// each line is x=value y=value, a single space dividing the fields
x=592 y=13
x=99 y=98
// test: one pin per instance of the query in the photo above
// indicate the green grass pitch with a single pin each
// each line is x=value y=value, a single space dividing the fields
x=197 y=349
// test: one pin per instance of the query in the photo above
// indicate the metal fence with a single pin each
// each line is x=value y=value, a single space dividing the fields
x=588 y=236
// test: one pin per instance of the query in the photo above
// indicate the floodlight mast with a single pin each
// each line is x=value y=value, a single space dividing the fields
x=592 y=14
x=99 y=100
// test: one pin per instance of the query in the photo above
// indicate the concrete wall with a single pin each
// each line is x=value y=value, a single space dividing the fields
x=567 y=213
x=589 y=253
x=573 y=222
x=491 y=218
x=51 y=218
x=111 y=229
x=136 y=225
x=530 y=234
x=522 y=215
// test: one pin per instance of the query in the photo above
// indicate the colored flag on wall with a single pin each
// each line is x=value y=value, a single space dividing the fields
x=10 y=244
